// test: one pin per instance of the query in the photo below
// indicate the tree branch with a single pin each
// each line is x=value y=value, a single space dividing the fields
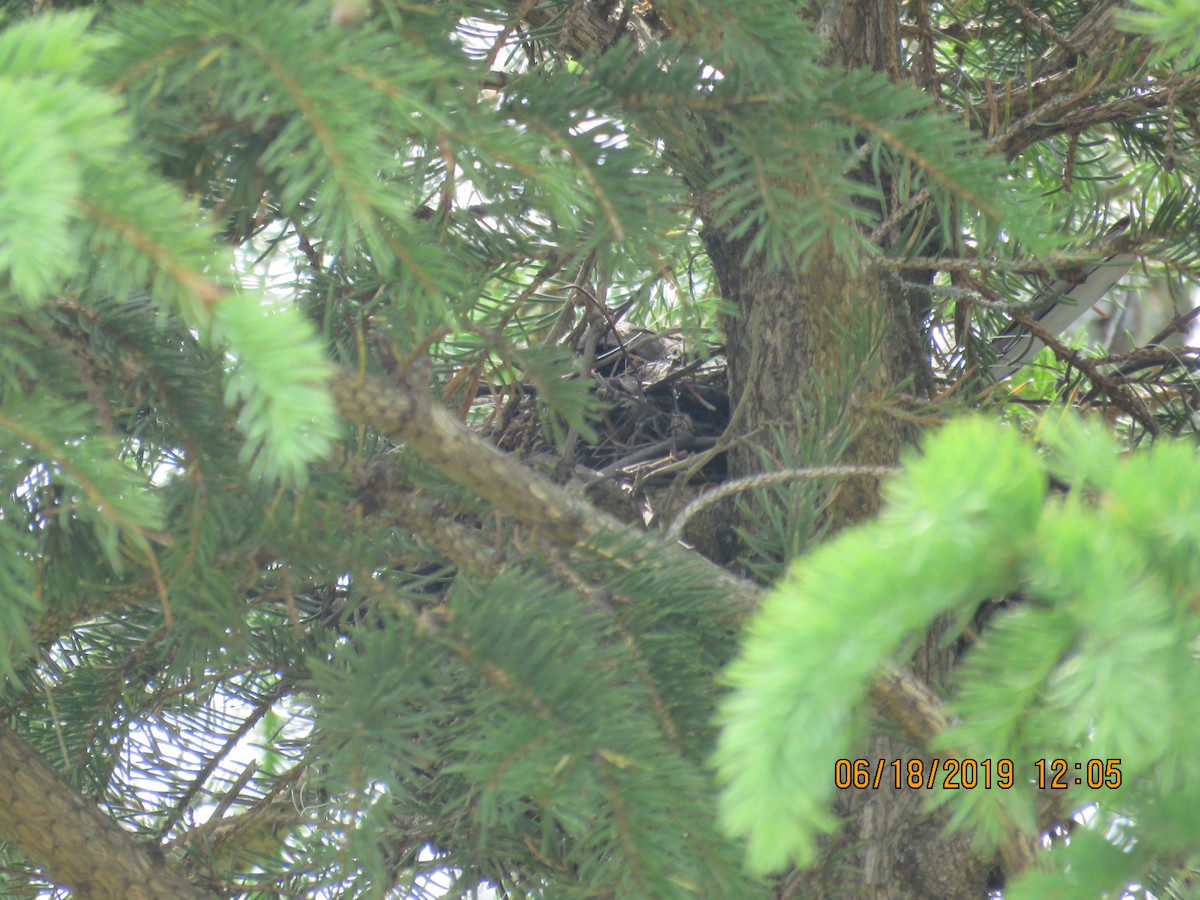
x=405 y=412
x=1117 y=392
x=1072 y=113
x=73 y=842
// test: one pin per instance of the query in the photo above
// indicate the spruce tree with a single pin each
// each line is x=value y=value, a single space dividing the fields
x=458 y=449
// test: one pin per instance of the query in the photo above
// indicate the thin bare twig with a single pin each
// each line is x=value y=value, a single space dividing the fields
x=1117 y=392
x=766 y=479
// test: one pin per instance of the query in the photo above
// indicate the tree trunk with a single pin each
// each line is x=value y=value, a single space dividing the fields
x=790 y=329
x=830 y=321
x=836 y=321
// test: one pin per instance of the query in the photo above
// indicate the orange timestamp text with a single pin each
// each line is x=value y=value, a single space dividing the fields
x=1059 y=774
x=924 y=774
x=968 y=774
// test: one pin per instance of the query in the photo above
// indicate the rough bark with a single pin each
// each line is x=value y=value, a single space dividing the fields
x=76 y=844
x=791 y=329
x=829 y=320
x=833 y=320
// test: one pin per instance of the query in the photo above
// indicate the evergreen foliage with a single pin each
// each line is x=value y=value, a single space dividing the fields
x=1092 y=666
x=1169 y=23
x=295 y=655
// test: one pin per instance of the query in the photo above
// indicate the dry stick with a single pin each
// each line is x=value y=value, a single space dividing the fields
x=1123 y=399
x=766 y=479
x=1149 y=353
x=1016 y=267
x=1041 y=25
x=404 y=411
x=650 y=451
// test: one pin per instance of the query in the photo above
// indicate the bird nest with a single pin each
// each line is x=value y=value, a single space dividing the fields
x=666 y=405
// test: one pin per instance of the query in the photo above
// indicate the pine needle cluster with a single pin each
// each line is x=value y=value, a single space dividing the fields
x=253 y=607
